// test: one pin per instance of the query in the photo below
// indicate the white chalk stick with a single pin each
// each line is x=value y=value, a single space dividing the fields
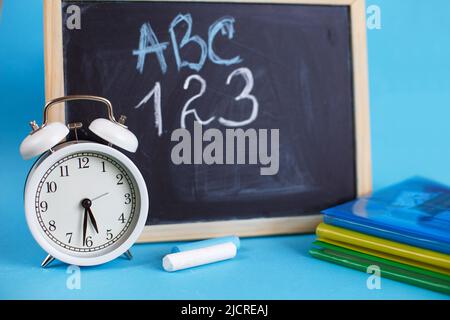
x=197 y=257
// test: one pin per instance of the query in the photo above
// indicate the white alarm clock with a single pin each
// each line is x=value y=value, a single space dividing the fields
x=86 y=203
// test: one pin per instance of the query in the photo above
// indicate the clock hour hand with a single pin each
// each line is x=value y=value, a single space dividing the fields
x=91 y=216
x=87 y=203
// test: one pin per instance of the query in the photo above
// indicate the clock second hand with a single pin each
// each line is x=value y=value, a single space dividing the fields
x=100 y=196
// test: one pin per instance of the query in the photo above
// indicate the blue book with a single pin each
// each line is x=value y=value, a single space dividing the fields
x=414 y=212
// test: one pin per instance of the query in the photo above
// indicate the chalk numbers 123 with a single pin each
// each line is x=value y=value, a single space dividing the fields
x=189 y=107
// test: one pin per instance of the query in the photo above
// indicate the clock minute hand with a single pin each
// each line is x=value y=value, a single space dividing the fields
x=84 y=227
x=86 y=204
x=91 y=216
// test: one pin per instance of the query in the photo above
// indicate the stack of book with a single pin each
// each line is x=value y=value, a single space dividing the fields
x=404 y=230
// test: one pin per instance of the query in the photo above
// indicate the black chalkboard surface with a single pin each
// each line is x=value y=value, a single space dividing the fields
x=294 y=59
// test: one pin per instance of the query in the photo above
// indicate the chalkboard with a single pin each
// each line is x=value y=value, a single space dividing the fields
x=249 y=66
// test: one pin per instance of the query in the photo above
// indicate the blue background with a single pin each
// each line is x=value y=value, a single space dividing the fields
x=410 y=108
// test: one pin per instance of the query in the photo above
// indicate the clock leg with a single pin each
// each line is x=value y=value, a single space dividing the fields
x=128 y=255
x=49 y=259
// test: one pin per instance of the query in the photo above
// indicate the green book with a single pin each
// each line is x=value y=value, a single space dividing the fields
x=389 y=269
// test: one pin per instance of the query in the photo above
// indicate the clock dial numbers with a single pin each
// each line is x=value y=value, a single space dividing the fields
x=89 y=243
x=51 y=187
x=64 y=171
x=127 y=198
x=44 y=206
x=52 y=225
x=86 y=227
x=83 y=163
x=109 y=235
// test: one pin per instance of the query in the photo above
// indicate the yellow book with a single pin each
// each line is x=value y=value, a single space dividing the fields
x=418 y=257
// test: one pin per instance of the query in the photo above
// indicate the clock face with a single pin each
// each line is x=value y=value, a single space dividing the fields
x=86 y=203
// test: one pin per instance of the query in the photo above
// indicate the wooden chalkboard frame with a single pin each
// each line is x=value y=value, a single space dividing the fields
x=54 y=87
